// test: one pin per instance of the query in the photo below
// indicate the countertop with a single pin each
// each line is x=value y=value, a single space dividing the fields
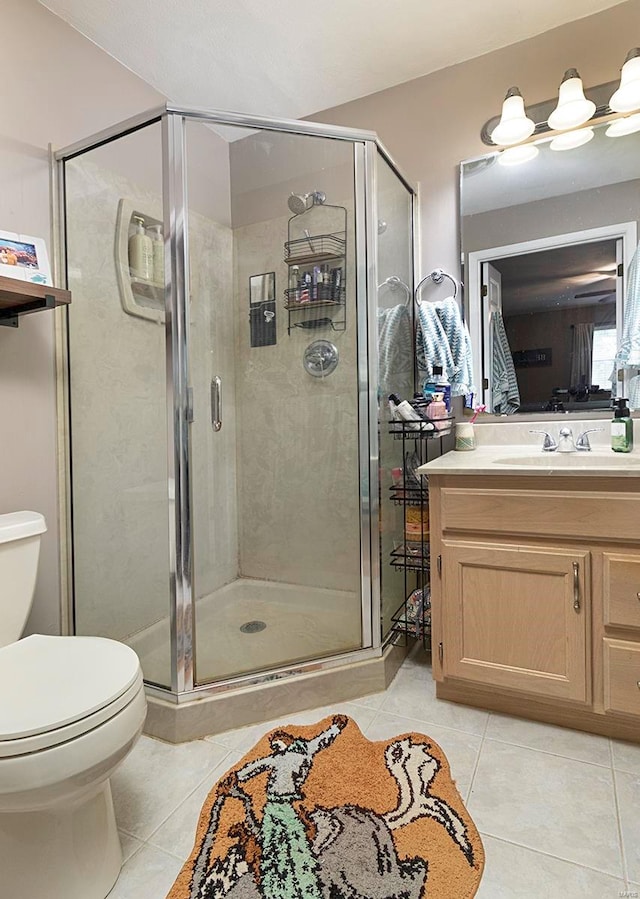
x=519 y=459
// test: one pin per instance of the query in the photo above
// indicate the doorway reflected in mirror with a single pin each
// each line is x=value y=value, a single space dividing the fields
x=552 y=314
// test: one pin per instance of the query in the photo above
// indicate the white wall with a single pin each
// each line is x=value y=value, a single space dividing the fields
x=65 y=88
x=432 y=123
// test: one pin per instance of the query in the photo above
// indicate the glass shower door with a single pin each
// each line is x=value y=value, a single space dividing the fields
x=117 y=399
x=275 y=471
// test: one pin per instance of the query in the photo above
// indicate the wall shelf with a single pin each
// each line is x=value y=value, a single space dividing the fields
x=22 y=297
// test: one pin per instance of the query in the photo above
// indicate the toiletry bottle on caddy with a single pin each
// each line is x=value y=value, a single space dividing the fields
x=403 y=410
x=437 y=383
x=439 y=414
x=621 y=427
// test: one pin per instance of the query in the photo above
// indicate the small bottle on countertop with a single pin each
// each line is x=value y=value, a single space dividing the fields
x=140 y=252
x=621 y=427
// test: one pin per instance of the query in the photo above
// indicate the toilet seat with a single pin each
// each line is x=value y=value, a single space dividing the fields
x=66 y=686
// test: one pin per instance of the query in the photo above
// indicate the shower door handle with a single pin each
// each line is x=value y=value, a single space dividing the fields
x=216 y=403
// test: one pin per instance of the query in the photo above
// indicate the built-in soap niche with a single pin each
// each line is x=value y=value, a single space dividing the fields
x=140 y=296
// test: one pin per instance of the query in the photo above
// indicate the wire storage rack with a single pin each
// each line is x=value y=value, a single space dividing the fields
x=316 y=295
x=420 y=443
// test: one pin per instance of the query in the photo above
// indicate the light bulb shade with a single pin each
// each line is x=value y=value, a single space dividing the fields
x=572 y=139
x=518 y=155
x=573 y=108
x=628 y=125
x=514 y=125
x=627 y=97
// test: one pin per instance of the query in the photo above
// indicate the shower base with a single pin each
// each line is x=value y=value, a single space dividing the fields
x=301 y=623
x=253 y=625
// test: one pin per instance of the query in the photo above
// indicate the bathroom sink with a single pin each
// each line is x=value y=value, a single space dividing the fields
x=572 y=460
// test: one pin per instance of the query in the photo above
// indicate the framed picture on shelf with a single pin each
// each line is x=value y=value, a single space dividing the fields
x=24 y=258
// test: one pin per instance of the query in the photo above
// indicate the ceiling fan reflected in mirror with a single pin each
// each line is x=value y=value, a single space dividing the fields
x=595 y=293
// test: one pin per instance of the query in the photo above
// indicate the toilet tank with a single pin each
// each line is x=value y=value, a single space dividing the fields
x=19 y=549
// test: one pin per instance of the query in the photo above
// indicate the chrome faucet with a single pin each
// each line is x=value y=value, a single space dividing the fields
x=582 y=443
x=565 y=443
x=549 y=445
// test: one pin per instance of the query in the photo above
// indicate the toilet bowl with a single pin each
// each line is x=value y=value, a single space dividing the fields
x=72 y=709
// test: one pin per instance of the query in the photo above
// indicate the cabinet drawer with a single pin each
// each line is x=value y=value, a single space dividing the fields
x=622 y=677
x=546 y=513
x=621 y=590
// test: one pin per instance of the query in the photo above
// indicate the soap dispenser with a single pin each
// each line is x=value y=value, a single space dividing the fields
x=157 y=243
x=140 y=252
x=621 y=427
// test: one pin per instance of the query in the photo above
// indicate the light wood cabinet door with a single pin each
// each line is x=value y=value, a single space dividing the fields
x=517 y=617
x=621 y=572
x=622 y=677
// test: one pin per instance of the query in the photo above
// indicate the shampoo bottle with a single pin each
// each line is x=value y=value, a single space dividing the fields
x=621 y=428
x=157 y=241
x=140 y=252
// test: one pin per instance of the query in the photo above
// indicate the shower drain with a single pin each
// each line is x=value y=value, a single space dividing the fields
x=252 y=627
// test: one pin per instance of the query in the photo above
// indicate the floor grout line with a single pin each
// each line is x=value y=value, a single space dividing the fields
x=475 y=767
x=623 y=854
x=559 y=858
x=183 y=800
x=557 y=755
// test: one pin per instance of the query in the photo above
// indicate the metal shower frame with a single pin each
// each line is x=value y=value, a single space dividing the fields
x=366 y=147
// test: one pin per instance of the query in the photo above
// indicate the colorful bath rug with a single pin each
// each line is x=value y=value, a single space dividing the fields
x=320 y=812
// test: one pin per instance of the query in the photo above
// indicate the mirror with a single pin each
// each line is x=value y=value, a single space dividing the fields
x=546 y=246
x=262 y=309
x=262 y=288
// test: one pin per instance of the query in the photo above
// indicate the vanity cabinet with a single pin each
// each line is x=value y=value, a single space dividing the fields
x=536 y=602
x=516 y=617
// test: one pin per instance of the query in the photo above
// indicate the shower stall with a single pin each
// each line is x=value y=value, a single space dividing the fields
x=225 y=441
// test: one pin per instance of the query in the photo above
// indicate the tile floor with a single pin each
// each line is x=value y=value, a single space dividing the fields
x=558 y=810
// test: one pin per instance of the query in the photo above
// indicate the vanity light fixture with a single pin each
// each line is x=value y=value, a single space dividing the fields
x=514 y=125
x=628 y=125
x=518 y=155
x=573 y=108
x=519 y=126
x=572 y=139
x=627 y=97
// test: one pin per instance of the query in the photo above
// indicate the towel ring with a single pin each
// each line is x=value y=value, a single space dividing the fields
x=437 y=276
x=393 y=282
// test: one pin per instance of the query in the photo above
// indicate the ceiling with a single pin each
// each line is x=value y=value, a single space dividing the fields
x=293 y=58
x=575 y=275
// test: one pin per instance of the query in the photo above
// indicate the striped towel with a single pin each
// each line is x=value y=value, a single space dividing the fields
x=395 y=351
x=442 y=338
x=628 y=355
x=505 y=396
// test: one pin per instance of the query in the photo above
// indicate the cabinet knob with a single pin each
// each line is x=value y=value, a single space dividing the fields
x=638 y=596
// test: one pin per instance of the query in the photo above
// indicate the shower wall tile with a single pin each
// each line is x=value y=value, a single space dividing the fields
x=297 y=435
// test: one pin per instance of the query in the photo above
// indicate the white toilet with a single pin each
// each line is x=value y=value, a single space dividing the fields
x=71 y=709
